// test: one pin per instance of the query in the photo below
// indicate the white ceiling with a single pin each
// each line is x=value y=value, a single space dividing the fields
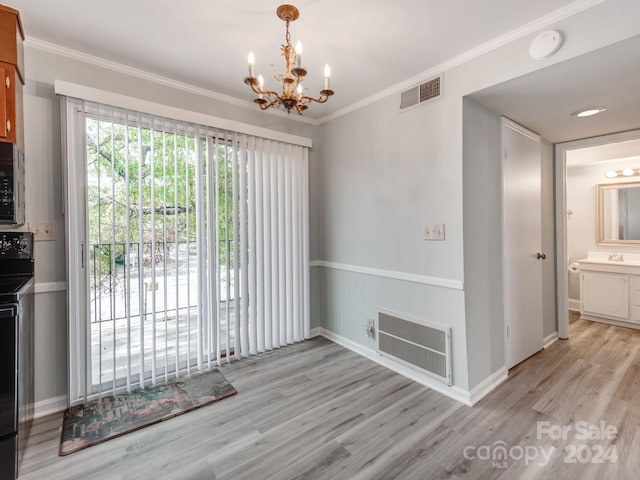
x=544 y=100
x=610 y=152
x=370 y=44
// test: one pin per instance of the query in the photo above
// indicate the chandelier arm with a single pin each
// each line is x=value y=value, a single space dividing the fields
x=321 y=99
x=270 y=104
x=269 y=93
x=252 y=82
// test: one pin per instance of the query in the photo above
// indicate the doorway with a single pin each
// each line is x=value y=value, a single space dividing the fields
x=603 y=150
x=544 y=101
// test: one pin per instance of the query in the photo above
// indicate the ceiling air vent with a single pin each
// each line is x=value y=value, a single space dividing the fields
x=429 y=90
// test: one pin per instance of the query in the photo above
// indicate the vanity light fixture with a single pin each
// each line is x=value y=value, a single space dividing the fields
x=588 y=111
x=627 y=172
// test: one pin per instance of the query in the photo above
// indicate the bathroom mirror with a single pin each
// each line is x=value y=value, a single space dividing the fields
x=618 y=213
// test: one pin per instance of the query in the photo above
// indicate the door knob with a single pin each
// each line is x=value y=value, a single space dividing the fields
x=541 y=256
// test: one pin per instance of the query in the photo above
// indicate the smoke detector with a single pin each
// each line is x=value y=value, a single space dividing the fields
x=545 y=44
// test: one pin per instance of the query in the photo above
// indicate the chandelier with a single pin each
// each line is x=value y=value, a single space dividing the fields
x=293 y=92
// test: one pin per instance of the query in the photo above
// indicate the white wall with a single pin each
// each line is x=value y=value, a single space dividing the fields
x=483 y=268
x=44 y=192
x=482 y=217
x=581 y=224
x=383 y=174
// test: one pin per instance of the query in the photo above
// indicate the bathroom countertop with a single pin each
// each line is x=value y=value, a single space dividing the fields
x=612 y=258
x=605 y=261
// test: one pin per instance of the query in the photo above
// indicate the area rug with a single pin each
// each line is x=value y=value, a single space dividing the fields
x=101 y=420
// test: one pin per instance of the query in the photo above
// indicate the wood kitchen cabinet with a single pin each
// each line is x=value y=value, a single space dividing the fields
x=11 y=122
x=11 y=76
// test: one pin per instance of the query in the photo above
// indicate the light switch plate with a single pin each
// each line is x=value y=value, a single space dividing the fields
x=42 y=231
x=434 y=232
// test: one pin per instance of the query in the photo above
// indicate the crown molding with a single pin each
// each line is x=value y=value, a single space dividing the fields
x=152 y=77
x=527 y=29
x=516 y=34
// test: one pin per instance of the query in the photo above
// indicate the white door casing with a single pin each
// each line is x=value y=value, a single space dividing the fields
x=522 y=241
x=561 y=150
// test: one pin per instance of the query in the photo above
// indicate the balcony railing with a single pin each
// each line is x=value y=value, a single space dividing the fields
x=169 y=284
x=148 y=294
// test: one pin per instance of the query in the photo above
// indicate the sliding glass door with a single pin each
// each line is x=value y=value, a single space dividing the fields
x=179 y=250
x=159 y=248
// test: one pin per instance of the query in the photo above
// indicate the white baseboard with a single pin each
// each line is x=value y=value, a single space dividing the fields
x=574 y=304
x=549 y=340
x=49 y=406
x=610 y=321
x=485 y=387
x=456 y=393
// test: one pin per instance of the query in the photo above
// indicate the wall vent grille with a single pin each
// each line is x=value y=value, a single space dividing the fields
x=425 y=92
x=418 y=343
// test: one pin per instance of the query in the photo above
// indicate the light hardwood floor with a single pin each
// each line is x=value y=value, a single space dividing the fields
x=317 y=411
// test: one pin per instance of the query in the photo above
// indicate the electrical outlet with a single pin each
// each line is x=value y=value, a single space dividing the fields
x=42 y=231
x=434 y=232
x=371 y=328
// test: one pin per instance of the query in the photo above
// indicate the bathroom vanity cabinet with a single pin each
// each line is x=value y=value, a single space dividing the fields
x=610 y=291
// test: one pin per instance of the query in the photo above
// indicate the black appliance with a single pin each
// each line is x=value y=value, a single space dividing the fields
x=11 y=184
x=16 y=348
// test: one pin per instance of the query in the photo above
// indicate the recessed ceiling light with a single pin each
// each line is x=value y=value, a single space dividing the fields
x=587 y=112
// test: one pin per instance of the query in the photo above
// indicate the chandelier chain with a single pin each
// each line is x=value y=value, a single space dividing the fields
x=288 y=36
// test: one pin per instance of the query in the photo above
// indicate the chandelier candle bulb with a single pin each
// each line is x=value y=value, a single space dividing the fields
x=327 y=74
x=260 y=85
x=252 y=61
x=299 y=54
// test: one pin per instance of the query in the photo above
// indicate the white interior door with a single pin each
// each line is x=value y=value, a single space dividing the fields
x=522 y=241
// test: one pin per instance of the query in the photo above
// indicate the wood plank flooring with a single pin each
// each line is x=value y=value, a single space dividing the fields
x=318 y=411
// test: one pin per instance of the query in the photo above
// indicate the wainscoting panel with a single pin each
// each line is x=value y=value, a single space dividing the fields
x=350 y=299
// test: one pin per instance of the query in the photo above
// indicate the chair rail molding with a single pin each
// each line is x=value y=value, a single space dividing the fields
x=407 y=277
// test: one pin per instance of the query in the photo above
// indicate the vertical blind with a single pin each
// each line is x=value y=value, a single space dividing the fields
x=187 y=247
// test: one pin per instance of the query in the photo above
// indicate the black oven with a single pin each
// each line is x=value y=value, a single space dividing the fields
x=11 y=184
x=16 y=348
